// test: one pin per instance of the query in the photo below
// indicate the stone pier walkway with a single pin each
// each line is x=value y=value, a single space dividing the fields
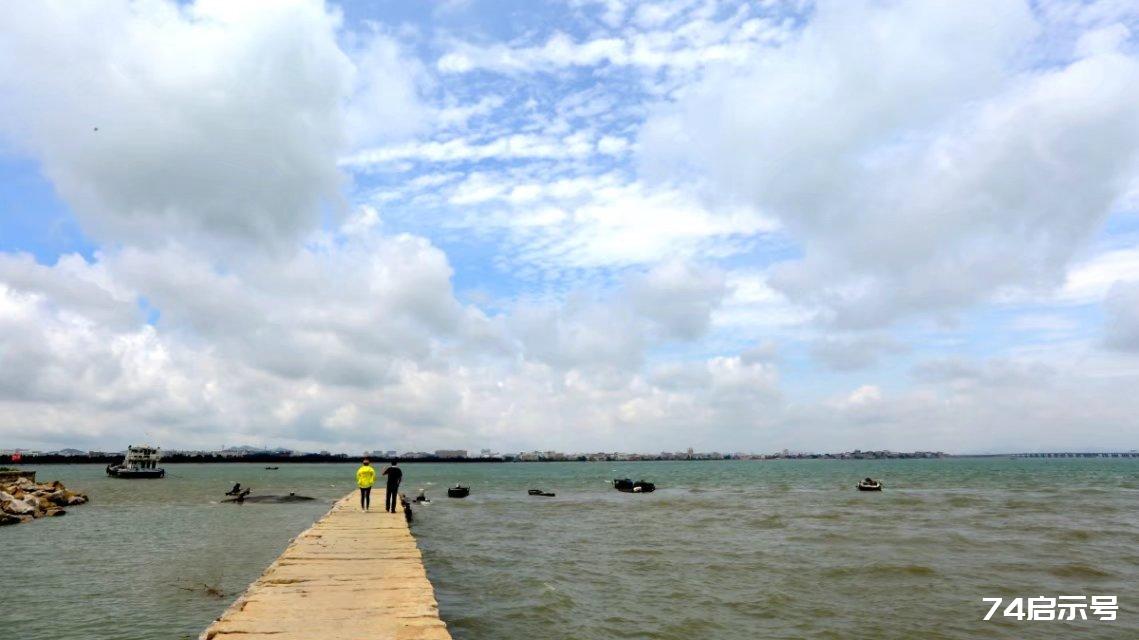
x=351 y=576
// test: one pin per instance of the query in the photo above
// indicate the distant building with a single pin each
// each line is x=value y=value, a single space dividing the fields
x=450 y=453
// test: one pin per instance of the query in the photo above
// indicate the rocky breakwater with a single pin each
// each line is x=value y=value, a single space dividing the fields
x=22 y=500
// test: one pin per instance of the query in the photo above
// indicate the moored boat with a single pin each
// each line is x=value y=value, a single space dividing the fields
x=141 y=462
x=539 y=492
x=458 y=491
x=869 y=484
x=625 y=485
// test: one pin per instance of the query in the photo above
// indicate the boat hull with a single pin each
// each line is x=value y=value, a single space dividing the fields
x=136 y=474
x=458 y=492
x=628 y=486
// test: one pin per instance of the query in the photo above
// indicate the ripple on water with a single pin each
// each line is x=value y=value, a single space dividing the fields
x=758 y=550
x=1079 y=570
x=883 y=570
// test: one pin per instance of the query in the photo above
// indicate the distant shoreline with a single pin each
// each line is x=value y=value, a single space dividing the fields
x=343 y=459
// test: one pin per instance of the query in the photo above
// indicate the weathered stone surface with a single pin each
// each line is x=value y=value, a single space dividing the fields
x=22 y=500
x=18 y=507
x=351 y=575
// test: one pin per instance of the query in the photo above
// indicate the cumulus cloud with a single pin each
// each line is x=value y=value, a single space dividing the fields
x=357 y=337
x=65 y=376
x=923 y=166
x=919 y=153
x=678 y=297
x=216 y=118
x=673 y=301
x=72 y=286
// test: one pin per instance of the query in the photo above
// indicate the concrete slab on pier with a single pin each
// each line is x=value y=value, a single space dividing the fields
x=351 y=576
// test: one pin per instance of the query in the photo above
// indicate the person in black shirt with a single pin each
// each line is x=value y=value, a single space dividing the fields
x=394 y=474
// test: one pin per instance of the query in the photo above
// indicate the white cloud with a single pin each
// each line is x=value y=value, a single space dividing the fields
x=458 y=115
x=218 y=118
x=911 y=148
x=1122 y=307
x=616 y=224
x=694 y=43
x=678 y=297
x=384 y=103
x=754 y=305
x=72 y=286
x=850 y=353
x=864 y=396
x=1090 y=280
x=511 y=147
x=355 y=338
x=923 y=168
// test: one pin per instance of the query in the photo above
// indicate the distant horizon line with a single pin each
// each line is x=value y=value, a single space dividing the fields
x=556 y=456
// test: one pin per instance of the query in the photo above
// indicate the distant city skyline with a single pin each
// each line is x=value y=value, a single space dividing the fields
x=239 y=452
x=579 y=225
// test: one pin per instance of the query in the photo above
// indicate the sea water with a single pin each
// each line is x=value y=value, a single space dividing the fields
x=731 y=549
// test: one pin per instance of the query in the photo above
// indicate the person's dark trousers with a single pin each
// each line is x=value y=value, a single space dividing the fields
x=392 y=497
x=365 y=497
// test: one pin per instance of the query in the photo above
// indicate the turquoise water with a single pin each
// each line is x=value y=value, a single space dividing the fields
x=778 y=549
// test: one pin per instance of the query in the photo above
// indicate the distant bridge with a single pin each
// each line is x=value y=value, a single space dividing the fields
x=1075 y=454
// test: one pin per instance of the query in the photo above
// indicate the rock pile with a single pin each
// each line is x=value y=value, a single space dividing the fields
x=22 y=500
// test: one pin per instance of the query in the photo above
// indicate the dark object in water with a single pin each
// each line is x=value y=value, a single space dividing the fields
x=235 y=490
x=626 y=485
x=406 y=508
x=422 y=498
x=212 y=591
x=292 y=497
x=272 y=468
x=869 y=484
x=539 y=492
x=240 y=496
x=458 y=491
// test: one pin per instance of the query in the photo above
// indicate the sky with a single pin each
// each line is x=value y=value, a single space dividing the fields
x=582 y=225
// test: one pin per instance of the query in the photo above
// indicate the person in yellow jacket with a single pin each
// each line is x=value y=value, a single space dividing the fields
x=365 y=478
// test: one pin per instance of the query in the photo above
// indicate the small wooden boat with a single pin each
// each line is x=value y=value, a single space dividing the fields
x=869 y=484
x=626 y=485
x=539 y=492
x=458 y=491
